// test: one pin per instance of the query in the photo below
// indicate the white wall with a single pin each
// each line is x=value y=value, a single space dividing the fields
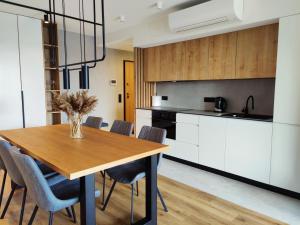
x=256 y=12
x=111 y=68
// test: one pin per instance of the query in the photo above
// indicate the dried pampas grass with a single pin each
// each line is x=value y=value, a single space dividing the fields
x=75 y=103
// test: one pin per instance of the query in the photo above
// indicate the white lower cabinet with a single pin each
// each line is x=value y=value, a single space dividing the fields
x=285 y=164
x=248 y=149
x=143 y=118
x=182 y=150
x=212 y=142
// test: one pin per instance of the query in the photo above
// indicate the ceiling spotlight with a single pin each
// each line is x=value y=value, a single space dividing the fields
x=46 y=19
x=122 y=19
x=159 y=4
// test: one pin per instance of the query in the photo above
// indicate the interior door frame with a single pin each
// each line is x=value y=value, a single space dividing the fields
x=124 y=88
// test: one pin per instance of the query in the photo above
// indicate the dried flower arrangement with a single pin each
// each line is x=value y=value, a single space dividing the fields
x=75 y=105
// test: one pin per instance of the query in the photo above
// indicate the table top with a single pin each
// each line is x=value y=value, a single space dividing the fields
x=74 y=158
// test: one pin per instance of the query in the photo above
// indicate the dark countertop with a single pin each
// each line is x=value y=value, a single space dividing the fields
x=205 y=113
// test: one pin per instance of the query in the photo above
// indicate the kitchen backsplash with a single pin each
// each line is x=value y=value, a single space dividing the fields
x=191 y=94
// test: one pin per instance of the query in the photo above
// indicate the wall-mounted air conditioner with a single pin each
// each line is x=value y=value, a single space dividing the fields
x=205 y=14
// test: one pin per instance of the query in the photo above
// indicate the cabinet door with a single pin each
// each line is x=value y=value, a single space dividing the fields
x=143 y=118
x=212 y=142
x=171 y=61
x=32 y=71
x=196 y=60
x=257 y=52
x=185 y=151
x=287 y=91
x=248 y=149
x=187 y=128
x=222 y=56
x=285 y=164
x=10 y=83
x=152 y=64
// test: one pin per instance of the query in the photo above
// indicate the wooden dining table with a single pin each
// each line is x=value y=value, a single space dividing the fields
x=82 y=158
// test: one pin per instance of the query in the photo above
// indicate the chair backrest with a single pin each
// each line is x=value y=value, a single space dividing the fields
x=94 y=122
x=10 y=165
x=122 y=127
x=153 y=134
x=37 y=185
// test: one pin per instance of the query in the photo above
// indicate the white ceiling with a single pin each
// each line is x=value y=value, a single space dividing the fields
x=135 y=11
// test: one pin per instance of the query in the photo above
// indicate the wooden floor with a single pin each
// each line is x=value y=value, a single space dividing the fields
x=187 y=206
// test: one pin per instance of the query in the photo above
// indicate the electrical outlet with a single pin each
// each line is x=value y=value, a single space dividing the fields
x=165 y=98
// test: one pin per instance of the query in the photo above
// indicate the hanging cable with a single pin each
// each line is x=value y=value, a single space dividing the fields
x=65 y=33
x=80 y=30
x=83 y=28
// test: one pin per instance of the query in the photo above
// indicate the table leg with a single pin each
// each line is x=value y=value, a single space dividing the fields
x=87 y=200
x=151 y=192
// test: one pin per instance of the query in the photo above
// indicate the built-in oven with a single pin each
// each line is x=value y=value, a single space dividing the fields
x=165 y=120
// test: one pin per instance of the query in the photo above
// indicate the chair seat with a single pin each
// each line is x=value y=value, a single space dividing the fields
x=69 y=190
x=128 y=173
x=46 y=170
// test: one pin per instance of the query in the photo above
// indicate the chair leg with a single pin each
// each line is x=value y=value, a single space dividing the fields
x=33 y=215
x=3 y=186
x=74 y=214
x=162 y=200
x=69 y=213
x=23 y=206
x=8 y=202
x=131 y=205
x=109 y=195
x=137 y=188
x=50 y=218
x=103 y=188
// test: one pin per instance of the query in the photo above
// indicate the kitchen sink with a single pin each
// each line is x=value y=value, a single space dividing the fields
x=248 y=116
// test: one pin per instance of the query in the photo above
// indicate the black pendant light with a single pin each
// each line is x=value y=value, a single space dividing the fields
x=84 y=77
x=66 y=78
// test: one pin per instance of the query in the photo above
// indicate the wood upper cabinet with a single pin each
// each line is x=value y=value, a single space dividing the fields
x=152 y=64
x=222 y=56
x=250 y=53
x=171 y=61
x=195 y=65
x=257 y=52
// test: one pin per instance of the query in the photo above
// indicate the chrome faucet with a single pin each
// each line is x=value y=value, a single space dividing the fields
x=246 y=108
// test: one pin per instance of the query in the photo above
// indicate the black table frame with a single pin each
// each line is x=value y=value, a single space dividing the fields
x=88 y=203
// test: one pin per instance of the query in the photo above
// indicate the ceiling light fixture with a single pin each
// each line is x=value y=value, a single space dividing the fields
x=122 y=19
x=159 y=4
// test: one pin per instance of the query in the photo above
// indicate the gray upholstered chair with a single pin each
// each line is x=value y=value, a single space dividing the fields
x=94 y=122
x=2 y=167
x=17 y=179
x=118 y=127
x=51 y=199
x=132 y=172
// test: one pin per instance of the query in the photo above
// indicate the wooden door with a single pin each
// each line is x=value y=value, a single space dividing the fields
x=196 y=60
x=222 y=56
x=129 y=91
x=257 y=52
x=152 y=64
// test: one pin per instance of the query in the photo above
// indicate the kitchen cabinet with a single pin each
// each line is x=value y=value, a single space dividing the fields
x=10 y=85
x=212 y=142
x=257 y=52
x=248 y=149
x=222 y=56
x=171 y=61
x=187 y=128
x=152 y=64
x=33 y=83
x=287 y=91
x=285 y=164
x=21 y=70
x=196 y=60
x=183 y=150
x=245 y=54
x=143 y=118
